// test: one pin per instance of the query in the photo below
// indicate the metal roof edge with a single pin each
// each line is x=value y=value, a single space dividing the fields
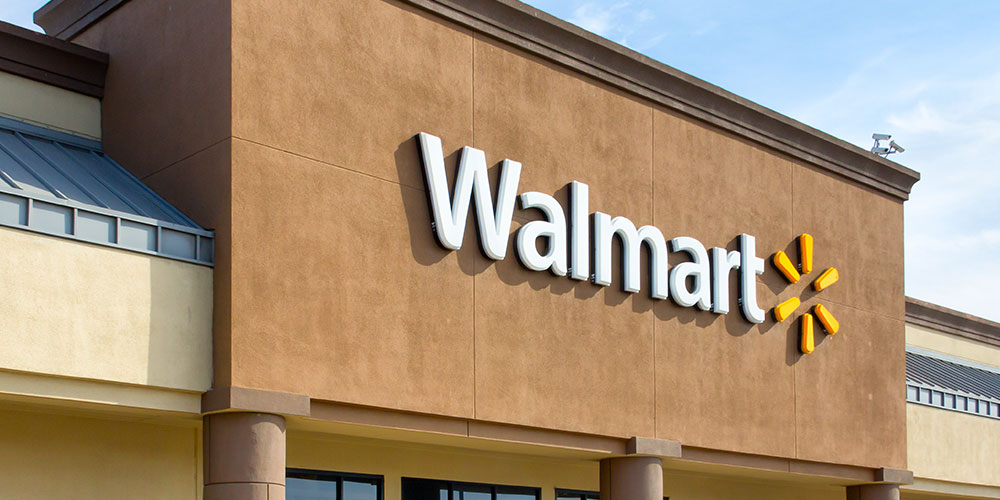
x=52 y=61
x=64 y=185
x=957 y=323
x=24 y=222
x=52 y=200
x=952 y=359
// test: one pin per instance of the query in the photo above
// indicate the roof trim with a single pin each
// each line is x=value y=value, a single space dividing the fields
x=49 y=60
x=64 y=19
x=951 y=321
x=204 y=250
x=565 y=44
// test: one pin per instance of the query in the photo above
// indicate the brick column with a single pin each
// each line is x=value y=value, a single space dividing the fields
x=632 y=478
x=244 y=455
x=873 y=492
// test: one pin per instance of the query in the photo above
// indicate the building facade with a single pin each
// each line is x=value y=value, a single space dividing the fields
x=450 y=249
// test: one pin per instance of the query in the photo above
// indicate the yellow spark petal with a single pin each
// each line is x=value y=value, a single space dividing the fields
x=830 y=324
x=784 y=264
x=808 y=343
x=786 y=308
x=829 y=277
x=806 y=252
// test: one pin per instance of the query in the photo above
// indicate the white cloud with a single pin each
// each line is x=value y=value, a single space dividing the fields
x=605 y=20
x=618 y=22
x=953 y=217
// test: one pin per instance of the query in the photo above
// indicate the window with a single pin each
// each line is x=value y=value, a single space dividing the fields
x=302 y=484
x=431 y=489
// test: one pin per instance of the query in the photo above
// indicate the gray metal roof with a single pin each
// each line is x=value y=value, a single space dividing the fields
x=64 y=185
x=948 y=375
x=935 y=380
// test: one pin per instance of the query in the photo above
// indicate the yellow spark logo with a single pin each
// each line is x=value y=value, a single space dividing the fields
x=807 y=342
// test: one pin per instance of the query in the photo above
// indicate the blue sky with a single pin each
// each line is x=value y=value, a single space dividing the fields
x=926 y=72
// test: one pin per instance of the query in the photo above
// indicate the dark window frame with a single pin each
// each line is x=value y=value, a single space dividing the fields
x=511 y=489
x=338 y=478
x=582 y=494
x=579 y=494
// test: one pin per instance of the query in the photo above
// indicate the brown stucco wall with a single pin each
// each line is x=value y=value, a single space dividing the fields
x=338 y=290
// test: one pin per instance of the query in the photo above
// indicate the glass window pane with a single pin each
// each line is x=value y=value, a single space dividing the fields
x=354 y=490
x=424 y=489
x=937 y=398
x=309 y=489
x=472 y=492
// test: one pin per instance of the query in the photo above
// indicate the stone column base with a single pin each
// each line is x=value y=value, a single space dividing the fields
x=873 y=492
x=632 y=478
x=244 y=455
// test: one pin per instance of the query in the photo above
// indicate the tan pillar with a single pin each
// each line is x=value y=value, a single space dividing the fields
x=632 y=478
x=244 y=455
x=873 y=492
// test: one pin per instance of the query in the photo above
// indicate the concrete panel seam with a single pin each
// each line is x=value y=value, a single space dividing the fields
x=317 y=160
x=196 y=153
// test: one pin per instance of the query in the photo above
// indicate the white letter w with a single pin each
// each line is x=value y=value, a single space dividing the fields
x=450 y=217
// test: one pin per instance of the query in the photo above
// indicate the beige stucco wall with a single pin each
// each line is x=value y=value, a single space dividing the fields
x=951 y=452
x=951 y=345
x=394 y=460
x=952 y=446
x=80 y=310
x=47 y=456
x=52 y=107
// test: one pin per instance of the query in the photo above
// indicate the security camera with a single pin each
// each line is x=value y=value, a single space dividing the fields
x=880 y=151
x=881 y=137
x=896 y=147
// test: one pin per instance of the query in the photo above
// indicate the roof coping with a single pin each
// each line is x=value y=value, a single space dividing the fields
x=951 y=321
x=546 y=36
x=65 y=18
x=53 y=61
